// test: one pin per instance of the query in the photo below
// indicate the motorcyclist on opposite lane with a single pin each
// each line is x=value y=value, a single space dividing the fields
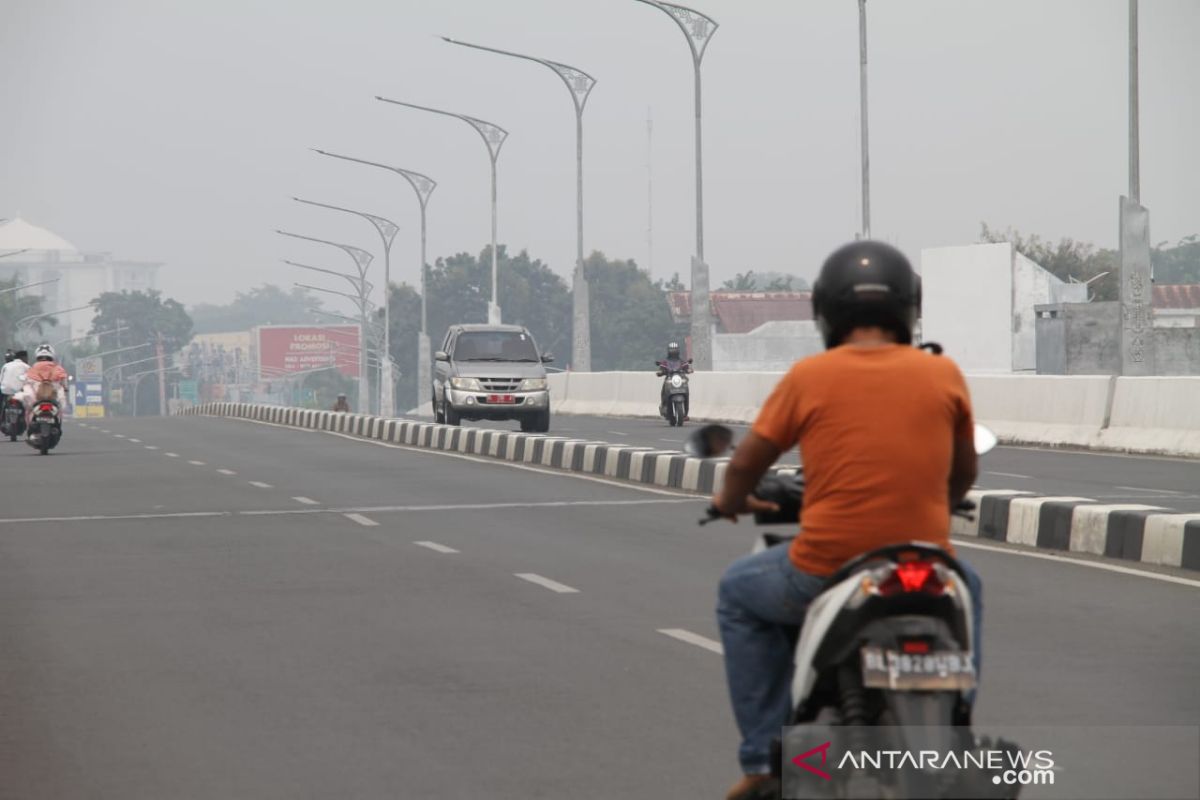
x=885 y=435
x=673 y=363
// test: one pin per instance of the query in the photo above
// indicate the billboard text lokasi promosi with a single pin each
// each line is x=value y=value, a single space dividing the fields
x=290 y=349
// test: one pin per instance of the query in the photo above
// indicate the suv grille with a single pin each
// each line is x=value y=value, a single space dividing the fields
x=500 y=384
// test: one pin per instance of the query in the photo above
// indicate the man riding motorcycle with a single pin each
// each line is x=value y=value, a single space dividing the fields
x=45 y=369
x=12 y=375
x=673 y=363
x=885 y=435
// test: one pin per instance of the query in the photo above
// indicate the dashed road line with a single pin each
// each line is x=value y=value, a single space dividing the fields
x=306 y=501
x=171 y=455
x=693 y=638
x=1152 y=491
x=545 y=582
x=136 y=441
x=260 y=484
x=150 y=447
x=105 y=430
x=366 y=522
x=118 y=436
x=1010 y=475
x=437 y=548
x=226 y=472
x=1081 y=562
x=196 y=463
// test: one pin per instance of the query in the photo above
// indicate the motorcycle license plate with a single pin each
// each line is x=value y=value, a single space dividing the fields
x=942 y=669
x=501 y=398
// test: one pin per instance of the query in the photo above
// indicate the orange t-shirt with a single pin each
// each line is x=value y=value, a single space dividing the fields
x=876 y=428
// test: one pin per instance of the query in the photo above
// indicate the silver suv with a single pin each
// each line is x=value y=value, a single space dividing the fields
x=491 y=372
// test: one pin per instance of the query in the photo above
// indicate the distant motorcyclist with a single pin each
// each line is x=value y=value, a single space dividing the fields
x=45 y=370
x=12 y=374
x=342 y=404
x=673 y=363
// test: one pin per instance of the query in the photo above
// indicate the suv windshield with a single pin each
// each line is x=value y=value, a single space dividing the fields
x=495 y=346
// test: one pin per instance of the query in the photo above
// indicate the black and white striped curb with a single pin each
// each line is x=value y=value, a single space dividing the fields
x=669 y=469
x=1129 y=532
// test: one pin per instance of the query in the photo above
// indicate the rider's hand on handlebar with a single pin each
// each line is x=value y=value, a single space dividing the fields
x=750 y=505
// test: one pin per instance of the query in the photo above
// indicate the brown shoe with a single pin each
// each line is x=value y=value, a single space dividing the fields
x=754 y=787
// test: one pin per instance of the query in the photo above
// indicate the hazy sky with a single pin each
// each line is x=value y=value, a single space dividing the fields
x=177 y=130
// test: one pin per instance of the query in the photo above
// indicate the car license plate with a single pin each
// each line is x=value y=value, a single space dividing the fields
x=501 y=398
x=942 y=669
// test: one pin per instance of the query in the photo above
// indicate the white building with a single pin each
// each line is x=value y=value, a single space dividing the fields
x=81 y=277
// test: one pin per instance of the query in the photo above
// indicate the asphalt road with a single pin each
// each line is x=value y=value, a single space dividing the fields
x=209 y=608
x=1171 y=483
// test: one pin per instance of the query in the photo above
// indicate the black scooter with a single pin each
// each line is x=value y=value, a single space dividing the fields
x=45 y=426
x=12 y=418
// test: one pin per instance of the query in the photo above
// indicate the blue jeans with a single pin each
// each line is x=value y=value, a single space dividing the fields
x=761 y=596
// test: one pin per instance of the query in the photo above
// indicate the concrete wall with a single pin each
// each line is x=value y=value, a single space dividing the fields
x=1082 y=339
x=773 y=346
x=1177 y=351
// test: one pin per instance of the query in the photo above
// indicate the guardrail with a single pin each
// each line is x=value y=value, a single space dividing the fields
x=1101 y=412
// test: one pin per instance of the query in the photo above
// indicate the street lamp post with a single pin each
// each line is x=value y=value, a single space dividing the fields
x=26 y=285
x=580 y=85
x=21 y=323
x=862 y=115
x=493 y=137
x=698 y=29
x=387 y=231
x=362 y=260
x=363 y=303
x=423 y=185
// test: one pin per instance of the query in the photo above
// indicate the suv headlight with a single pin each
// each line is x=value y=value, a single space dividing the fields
x=532 y=385
x=466 y=384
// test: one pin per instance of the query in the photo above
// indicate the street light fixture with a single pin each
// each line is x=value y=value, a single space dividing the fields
x=493 y=138
x=14 y=252
x=35 y=317
x=362 y=261
x=26 y=285
x=580 y=85
x=387 y=231
x=358 y=283
x=423 y=185
x=698 y=29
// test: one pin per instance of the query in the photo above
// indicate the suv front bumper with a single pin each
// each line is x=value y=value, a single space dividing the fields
x=476 y=403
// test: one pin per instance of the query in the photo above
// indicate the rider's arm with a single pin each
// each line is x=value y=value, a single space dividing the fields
x=964 y=469
x=750 y=462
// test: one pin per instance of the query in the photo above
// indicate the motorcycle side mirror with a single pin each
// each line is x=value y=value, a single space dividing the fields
x=985 y=440
x=709 y=441
x=440 y=355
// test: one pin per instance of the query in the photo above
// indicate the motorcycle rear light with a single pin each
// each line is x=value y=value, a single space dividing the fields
x=46 y=407
x=911 y=577
x=914 y=647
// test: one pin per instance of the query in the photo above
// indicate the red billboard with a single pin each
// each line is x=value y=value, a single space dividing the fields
x=288 y=349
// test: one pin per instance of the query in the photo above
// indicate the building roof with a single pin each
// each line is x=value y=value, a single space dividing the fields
x=17 y=234
x=1177 y=295
x=742 y=312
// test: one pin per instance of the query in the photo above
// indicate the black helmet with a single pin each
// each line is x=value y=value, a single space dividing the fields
x=9 y=355
x=866 y=284
x=673 y=350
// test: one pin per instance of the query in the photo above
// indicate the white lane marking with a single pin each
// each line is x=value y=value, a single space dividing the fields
x=118 y=436
x=693 y=638
x=553 y=586
x=307 y=501
x=672 y=441
x=437 y=548
x=1152 y=491
x=196 y=463
x=151 y=447
x=282 y=512
x=1140 y=573
x=171 y=455
x=226 y=472
x=1010 y=475
x=617 y=433
x=136 y=441
x=260 y=484
x=105 y=430
x=366 y=522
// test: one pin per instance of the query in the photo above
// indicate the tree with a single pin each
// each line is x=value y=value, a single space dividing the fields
x=1068 y=260
x=405 y=316
x=751 y=281
x=1178 y=264
x=15 y=306
x=631 y=320
x=531 y=294
x=742 y=282
x=265 y=305
x=147 y=319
